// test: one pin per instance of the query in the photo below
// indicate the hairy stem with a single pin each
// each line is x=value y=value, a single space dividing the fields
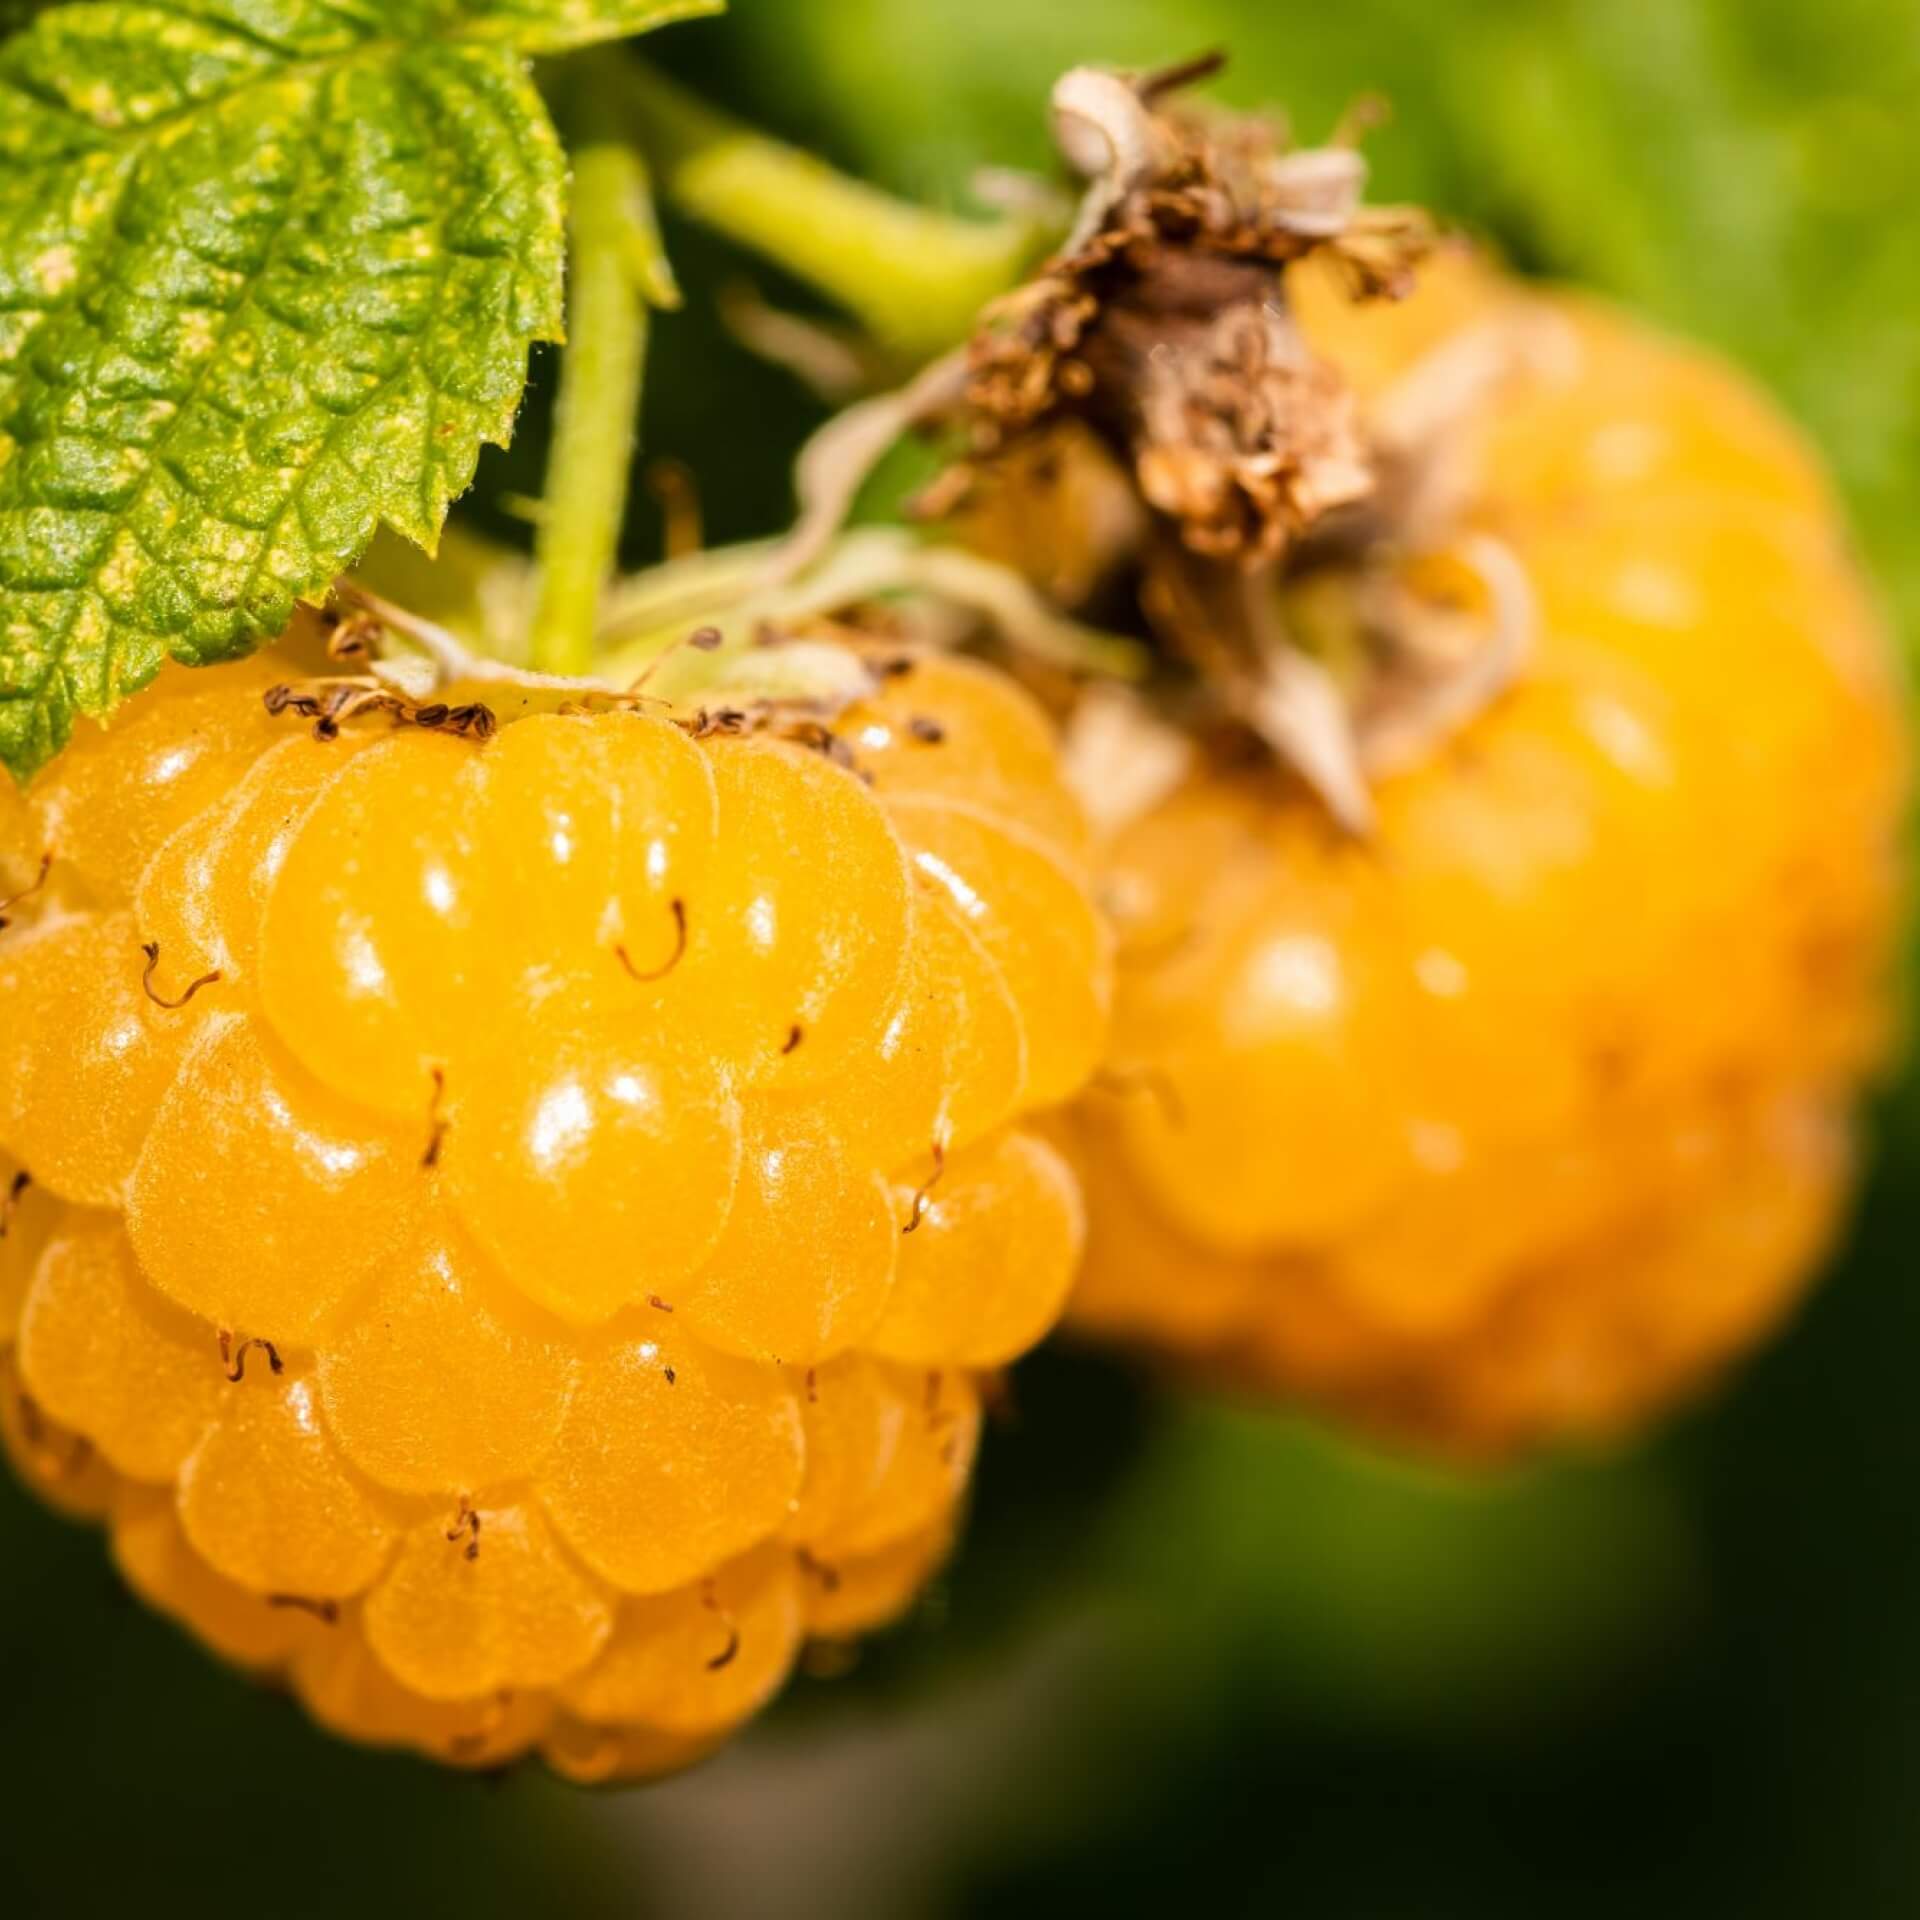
x=916 y=279
x=615 y=265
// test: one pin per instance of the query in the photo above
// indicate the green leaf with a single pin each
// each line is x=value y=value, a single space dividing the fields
x=269 y=273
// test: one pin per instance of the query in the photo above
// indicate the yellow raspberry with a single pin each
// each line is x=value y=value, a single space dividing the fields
x=506 y=1234
x=1516 y=1117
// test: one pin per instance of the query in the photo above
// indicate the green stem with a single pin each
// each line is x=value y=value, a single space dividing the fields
x=915 y=278
x=596 y=417
x=720 y=589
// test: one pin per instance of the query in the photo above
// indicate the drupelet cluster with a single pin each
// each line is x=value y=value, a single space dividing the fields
x=1513 y=1118
x=510 y=1232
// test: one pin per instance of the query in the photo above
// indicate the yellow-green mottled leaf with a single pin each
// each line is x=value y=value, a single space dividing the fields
x=269 y=273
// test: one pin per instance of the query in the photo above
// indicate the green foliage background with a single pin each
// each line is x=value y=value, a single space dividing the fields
x=1193 y=1657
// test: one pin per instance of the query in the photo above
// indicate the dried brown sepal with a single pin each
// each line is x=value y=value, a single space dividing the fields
x=1164 y=324
x=1284 y=532
x=330 y=704
x=802 y=719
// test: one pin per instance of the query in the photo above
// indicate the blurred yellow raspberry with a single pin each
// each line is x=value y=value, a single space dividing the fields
x=1517 y=1116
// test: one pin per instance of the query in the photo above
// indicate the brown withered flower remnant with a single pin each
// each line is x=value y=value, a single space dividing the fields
x=1164 y=323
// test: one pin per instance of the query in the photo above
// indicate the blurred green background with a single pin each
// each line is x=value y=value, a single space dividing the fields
x=1192 y=1657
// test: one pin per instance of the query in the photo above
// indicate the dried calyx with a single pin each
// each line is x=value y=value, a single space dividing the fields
x=735 y=639
x=1276 y=517
x=1164 y=323
x=792 y=680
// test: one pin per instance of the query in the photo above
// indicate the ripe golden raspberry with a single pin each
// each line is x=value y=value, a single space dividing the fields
x=1515 y=1116
x=507 y=1235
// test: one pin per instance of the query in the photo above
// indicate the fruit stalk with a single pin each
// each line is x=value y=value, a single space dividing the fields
x=915 y=279
x=616 y=267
